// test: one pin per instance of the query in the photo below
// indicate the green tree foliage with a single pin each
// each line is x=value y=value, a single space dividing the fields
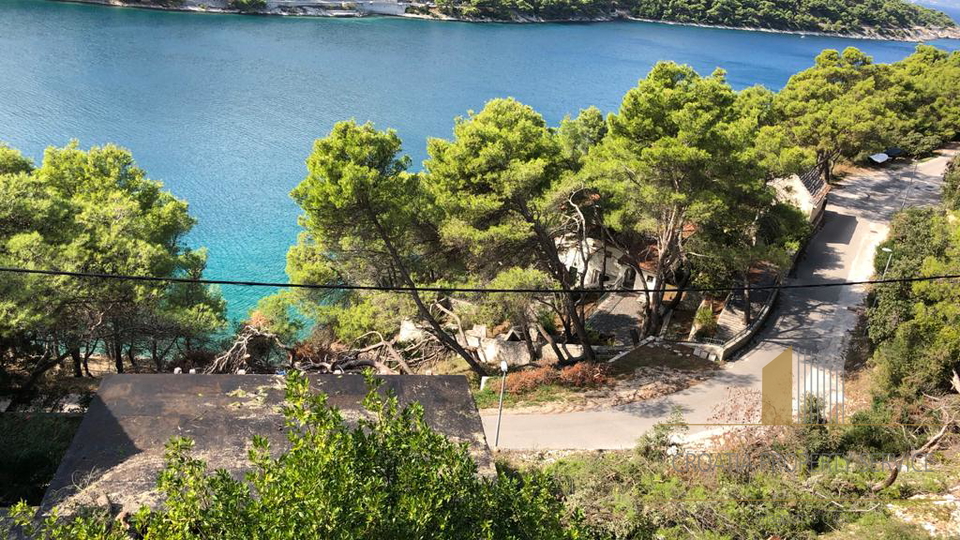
x=522 y=309
x=541 y=9
x=248 y=6
x=916 y=327
x=96 y=211
x=951 y=186
x=277 y=314
x=927 y=99
x=886 y=17
x=367 y=221
x=578 y=135
x=847 y=107
x=388 y=476
x=833 y=16
x=841 y=107
x=494 y=182
x=680 y=172
x=13 y=162
x=678 y=163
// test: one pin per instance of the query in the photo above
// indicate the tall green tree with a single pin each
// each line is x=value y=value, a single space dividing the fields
x=494 y=182
x=679 y=156
x=926 y=99
x=366 y=220
x=96 y=211
x=521 y=309
x=842 y=107
x=914 y=326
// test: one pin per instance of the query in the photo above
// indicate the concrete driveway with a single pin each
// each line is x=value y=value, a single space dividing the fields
x=812 y=321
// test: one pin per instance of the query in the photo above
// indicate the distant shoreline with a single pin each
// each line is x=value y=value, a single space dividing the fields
x=917 y=34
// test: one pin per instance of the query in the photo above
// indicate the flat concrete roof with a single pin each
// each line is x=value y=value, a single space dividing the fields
x=118 y=449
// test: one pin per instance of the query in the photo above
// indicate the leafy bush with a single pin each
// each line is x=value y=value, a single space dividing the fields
x=951 y=185
x=877 y=430
x=580 y=375
x=878 y=526
x=705 y=321
x=585 y=375
x=641 y=495
x=248 y=5
x=390 y=476
x=524 y=381
x=913 y=325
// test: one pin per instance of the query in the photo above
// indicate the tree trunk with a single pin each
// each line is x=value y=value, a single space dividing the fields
x=131 y=356
x=579 y=328
x=825 y=164
x=117 y=353
x=567 y=331
x=23 y=393
x=553 y=344
x=441 y=334
x=87 y=353
x=528 y=340
x=653 y=320
x=561 y=274
x=77 y=362
x=645 y=325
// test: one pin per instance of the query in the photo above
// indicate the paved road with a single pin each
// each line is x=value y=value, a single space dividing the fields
x=814 y=321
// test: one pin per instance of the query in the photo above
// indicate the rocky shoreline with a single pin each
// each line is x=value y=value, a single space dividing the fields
x=331 y=8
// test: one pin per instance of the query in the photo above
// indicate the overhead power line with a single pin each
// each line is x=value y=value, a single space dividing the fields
x=478 y=290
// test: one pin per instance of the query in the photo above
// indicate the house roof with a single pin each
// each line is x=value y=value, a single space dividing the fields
x=118 y=449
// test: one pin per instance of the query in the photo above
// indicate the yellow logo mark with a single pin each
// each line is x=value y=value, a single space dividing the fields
x=777 y=392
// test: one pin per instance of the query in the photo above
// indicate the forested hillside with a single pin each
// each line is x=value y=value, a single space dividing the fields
x=888 y=17
x=842 y=16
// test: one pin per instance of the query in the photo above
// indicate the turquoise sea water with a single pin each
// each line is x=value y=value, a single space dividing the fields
x=223 y=109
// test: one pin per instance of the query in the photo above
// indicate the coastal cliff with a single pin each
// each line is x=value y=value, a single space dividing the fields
x=400 y=8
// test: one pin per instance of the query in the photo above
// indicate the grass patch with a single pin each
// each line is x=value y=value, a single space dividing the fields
x=31 y=447
x=489 y=397
x=879 y=526
x=658 y=357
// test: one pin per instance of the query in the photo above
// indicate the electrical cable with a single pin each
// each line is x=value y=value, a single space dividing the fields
x=468 y=290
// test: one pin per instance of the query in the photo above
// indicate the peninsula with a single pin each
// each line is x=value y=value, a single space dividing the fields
x=883 y=19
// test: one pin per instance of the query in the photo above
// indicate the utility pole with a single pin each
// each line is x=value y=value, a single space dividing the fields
x=503 y=384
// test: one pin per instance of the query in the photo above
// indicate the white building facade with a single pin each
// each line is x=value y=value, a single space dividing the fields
x=603 y=266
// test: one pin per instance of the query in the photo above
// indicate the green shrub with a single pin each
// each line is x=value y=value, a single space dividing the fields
x=521 y=382
x=705 y=322
x=951 y=185
x=390 y=476
x=879 y=526
x=248 y=5
x=580 y=375
x=585 y=375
